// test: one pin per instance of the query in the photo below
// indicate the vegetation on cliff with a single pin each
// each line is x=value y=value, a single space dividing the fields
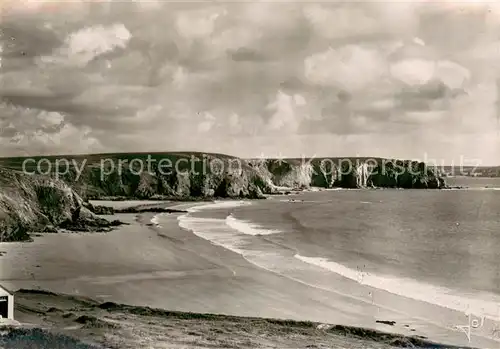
x=43 y=194
x=349 y=173
x=197 y=175
x=39 y=203
x=163 y=176
x=405 y=174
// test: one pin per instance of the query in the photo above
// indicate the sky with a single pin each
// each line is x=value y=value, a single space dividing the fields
x=412 y=80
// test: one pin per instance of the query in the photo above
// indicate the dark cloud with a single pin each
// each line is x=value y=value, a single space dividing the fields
x=26 y=39
x=245 y=54
x=421 y=98
x=434 y=95
x=63 y=104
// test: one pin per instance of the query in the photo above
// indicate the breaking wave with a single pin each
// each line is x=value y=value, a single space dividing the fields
x=413 y=289
x=252 y=242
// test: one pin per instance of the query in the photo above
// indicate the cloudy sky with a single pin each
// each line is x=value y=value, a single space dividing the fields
x=393 y=79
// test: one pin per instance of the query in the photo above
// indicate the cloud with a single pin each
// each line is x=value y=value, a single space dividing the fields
x=51 y=118
x=39 y=131
x=196 y=24
x=350 y=68
x=299 y=100
x=413 y=71
x=234 y=123
x=334 y=22
x=383 y=104
x=434 y=95
x=287 y=112
x=147 y=76
x=29 y=118
x=208 y=121
x=452 y=74
x=86 y=44
x=476 y=112
x=427 y=118
x=422 y=72
x=419 y=41
x=373 y=20
x=68 y=136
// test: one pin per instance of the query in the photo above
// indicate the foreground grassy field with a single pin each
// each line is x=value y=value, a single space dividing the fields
x=52 y=320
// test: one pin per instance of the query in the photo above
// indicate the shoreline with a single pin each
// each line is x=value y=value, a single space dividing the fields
x=112 y=201
x=219 y=278
x=92 y=324
x=447 y=315
x=491 y=323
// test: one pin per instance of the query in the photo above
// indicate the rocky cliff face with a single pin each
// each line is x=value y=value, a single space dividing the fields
x=204 y=177
x=194 y=175
x=30 y=201
x=282 y=174
x=38 y=203
x=353 y=173
x=405 y=174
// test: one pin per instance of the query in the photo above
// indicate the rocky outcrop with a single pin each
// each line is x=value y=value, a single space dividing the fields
x=39 y=203
x=274 y=174
x=99 y=209
x=405 y=174
x=353 y=173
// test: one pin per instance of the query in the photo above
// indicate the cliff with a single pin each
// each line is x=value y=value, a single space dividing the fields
x=188 y=176
x=39 y=203
x=48 y=193
x=349 y=173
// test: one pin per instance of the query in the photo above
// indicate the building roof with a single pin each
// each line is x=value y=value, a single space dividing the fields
x=5 y=292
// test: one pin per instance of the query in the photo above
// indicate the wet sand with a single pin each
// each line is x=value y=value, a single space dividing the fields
x=173 y=269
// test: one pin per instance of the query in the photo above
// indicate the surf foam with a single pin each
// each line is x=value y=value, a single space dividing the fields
x=412 y=289
x=243 y=238
x=219 y=205
x=233 y=234
x=156 y=220
x=271 y=257
x=248 y=228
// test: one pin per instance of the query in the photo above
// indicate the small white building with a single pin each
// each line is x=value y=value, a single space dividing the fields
x=6 y=304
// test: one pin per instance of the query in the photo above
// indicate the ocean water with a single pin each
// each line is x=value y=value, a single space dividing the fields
x=440 y=247
x=475 y=183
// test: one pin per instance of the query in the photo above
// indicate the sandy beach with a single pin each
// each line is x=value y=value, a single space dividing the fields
x=170 y=268
x=70 y=322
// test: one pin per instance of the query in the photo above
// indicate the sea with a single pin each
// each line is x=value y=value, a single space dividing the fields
x=435 y=246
